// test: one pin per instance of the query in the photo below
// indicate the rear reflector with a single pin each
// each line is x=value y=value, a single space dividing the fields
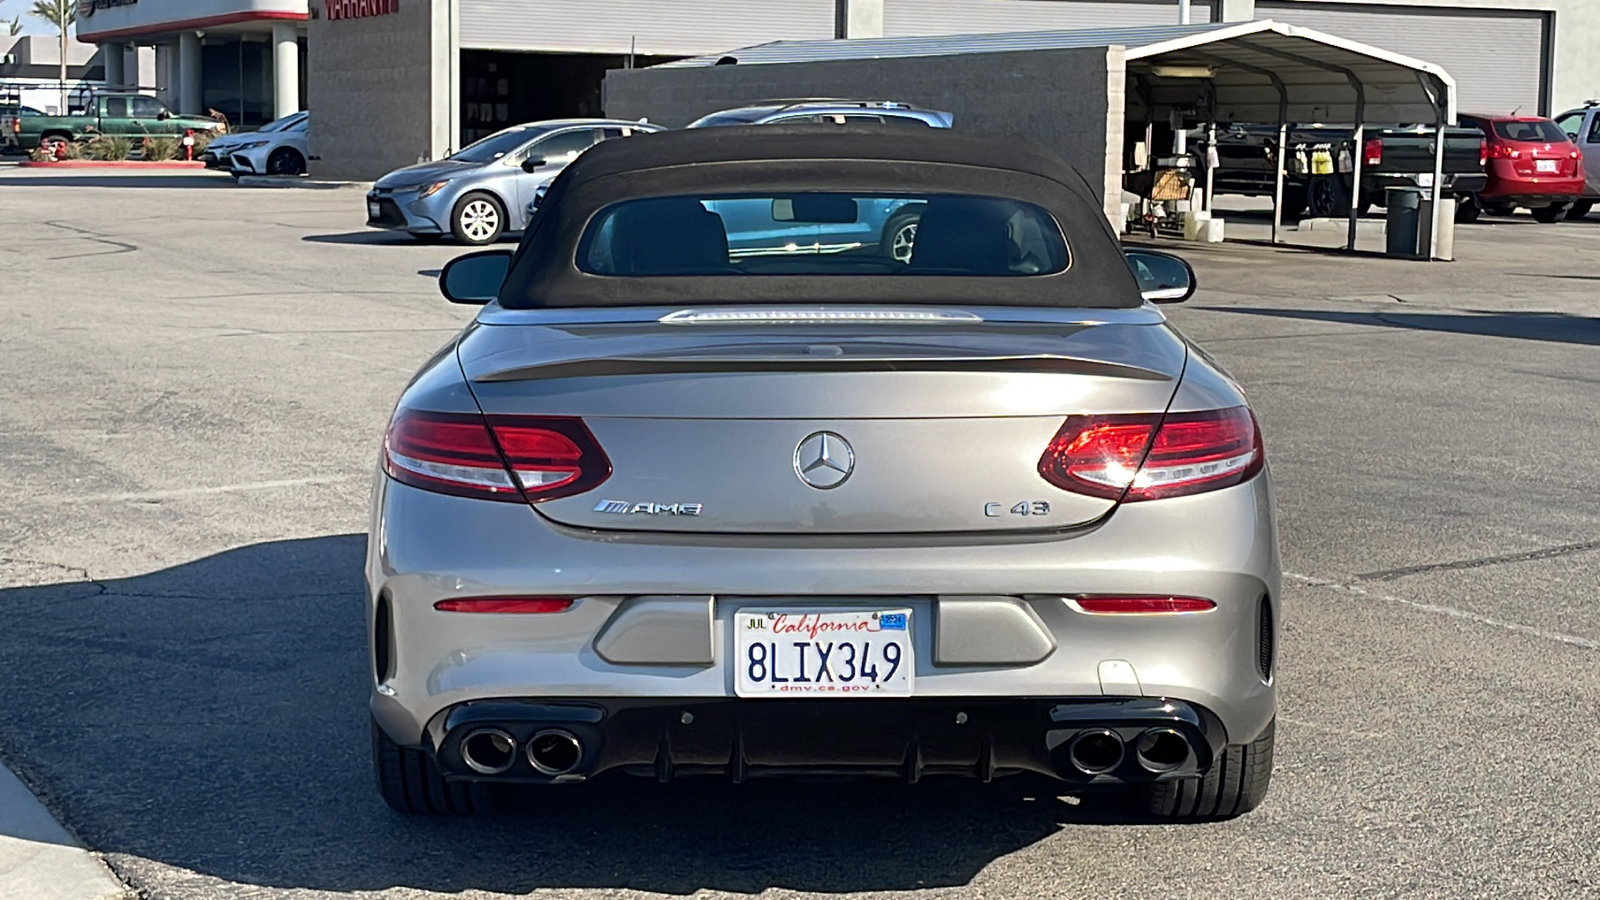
x=509 y=458
x=505 y=604
x=1149 y=457
x=1142 y=605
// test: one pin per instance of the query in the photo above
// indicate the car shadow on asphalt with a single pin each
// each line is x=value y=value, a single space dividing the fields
x=1528 y=326
x=374 y=237
x=212 y=716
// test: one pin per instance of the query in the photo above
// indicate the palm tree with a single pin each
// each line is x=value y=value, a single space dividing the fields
x=15 y=25
x=62 y=14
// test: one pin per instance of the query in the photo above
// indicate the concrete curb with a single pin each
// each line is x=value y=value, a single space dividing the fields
x=295 y=181
x=112 y=164
x=39 y=860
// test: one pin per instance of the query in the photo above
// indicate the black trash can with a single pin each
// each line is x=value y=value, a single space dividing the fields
x=1405 y=219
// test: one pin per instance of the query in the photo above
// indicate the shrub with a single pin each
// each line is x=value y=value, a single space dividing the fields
x=107 y=148
x=160 y=149
x=75 y=150
x=202 y=140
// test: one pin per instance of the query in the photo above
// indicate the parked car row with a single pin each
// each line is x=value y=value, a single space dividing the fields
x=493 y=187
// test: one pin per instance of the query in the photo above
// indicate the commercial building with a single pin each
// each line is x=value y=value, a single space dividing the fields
x=397 y=80
x=241 y=58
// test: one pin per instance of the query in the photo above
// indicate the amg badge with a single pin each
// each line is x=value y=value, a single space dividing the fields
x=627 y=508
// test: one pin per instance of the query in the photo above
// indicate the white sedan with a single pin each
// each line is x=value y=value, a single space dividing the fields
x=283 y=151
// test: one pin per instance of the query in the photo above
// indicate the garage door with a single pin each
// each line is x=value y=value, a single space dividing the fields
x=689 y=28
x=1497 y=58
x=907 y=18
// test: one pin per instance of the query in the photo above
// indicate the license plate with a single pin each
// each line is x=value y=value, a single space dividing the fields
x=1544 y=165
x=373 y=211
x=800 y=653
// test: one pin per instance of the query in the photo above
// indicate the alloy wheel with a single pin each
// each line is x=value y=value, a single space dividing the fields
x=480 y=220
x=900 y=245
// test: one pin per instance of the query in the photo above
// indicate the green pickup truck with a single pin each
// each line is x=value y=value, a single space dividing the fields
x=127 y=115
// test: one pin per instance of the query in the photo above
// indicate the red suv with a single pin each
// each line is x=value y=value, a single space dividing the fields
x=1531 y=162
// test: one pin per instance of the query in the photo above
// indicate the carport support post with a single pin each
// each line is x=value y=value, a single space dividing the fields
x=1357 y=154
x=1277 y=191
x=1438 y=182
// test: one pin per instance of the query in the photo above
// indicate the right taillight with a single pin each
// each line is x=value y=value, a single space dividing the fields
x=1149 y=457
x=509 y=458
x=1373 y=151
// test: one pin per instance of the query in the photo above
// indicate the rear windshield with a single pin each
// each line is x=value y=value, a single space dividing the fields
x=1541 y=131
x=824 y=234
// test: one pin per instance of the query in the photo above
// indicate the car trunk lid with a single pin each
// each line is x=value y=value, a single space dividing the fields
x=802 y=429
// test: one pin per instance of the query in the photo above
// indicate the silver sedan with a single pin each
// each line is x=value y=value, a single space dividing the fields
x=482 y=192
x=670 y=507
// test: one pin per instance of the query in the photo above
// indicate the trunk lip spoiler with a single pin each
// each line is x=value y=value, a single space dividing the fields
x=933 y=316
x=748 y=363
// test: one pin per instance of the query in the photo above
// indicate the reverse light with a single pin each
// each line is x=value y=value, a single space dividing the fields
x=508 y=458
x=505 y=604
x=1140 y=604
x=1146 y=456
x=430 y=189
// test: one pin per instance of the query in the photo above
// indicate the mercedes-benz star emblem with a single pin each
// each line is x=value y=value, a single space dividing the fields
x=824 y=460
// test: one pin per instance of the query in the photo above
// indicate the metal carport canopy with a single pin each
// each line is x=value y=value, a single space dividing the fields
x=1322 y=76
x=1258 y=72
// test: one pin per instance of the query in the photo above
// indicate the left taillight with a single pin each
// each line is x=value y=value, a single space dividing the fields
x=508 y=458
x=1150 y=457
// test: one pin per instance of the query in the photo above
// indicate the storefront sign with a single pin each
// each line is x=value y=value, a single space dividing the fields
x=358 y=9
x=86 y=8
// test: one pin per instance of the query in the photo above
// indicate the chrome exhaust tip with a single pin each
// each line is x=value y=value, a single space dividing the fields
x=1095 y=752
x=489 y=751
x=1161 y=750
x=554 y=751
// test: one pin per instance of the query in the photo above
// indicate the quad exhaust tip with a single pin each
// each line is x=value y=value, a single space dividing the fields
x=489 y=751
x=554 y=751
x=1095 y=752
x=1161 y=750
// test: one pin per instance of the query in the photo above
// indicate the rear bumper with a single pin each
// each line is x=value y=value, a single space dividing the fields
x=966 y=593
x=979 y=738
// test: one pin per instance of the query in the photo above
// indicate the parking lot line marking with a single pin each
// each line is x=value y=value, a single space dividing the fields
x=1451 y=611
x=215 y=489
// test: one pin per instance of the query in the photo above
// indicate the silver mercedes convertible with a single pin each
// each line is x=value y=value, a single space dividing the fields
x=696 y=494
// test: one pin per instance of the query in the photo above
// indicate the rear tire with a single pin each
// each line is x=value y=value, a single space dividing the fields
x=1499 y=209
x=1468 y=210
x=1236 y=783
x=1328 y=197
x=1550 y=215
x=410 y=782
x=1580 y=209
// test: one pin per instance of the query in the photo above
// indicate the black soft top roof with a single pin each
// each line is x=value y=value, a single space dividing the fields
x=720 y=161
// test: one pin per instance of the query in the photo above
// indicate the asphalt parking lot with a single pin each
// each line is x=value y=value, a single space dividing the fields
x=196 y=378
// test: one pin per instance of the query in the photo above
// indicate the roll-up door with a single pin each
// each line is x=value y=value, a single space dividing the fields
x=1497 y=58
x=910 y=18
x=646 y=27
